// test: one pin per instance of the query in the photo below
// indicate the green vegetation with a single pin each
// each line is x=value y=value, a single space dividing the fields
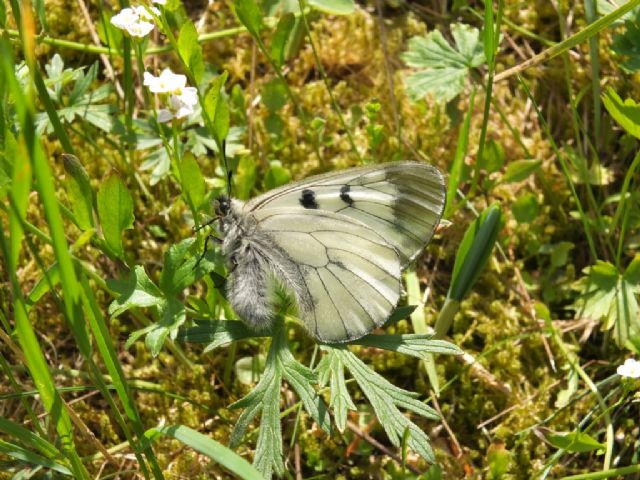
x=119 y=353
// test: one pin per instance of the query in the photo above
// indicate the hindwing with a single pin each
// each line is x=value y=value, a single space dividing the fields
x=350 y=274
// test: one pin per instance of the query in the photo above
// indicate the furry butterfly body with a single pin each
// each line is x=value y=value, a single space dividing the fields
x=337 y=243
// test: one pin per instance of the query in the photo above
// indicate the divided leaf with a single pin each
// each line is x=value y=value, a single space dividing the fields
x=611 y=297
x=386 y=399
x=441 y=67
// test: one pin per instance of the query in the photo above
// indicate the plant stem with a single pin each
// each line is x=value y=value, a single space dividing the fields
x=570 y=42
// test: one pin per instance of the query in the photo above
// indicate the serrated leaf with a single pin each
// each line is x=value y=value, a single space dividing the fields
x=385 y=398
x=217 y=333
x=115 y=210
x=172 y=317
x=301 y=378
x=442 y=67
x=575 y=442
x=136 y=290
x=415 y=345
x=265 y=398
x=331 y=370
x=190 y=50
x=178 y=271
x=281 y=37
x=610 y=297
x=333 y=7
x=79 y=191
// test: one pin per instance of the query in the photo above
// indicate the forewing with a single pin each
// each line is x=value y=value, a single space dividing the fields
x=351 y=274
x=402 y=201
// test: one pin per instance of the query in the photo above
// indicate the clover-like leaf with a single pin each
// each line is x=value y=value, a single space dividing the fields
x=136 y=290
x=441 y=68
x=610 y=296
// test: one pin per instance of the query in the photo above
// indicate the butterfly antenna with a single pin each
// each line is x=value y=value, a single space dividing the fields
x=226 y=167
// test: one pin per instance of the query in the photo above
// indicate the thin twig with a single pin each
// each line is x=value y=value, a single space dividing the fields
x=111 y=74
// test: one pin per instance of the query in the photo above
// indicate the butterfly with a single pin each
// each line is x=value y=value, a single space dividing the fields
x=336 y=243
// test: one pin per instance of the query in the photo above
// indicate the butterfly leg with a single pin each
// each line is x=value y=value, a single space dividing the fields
x=206 y=247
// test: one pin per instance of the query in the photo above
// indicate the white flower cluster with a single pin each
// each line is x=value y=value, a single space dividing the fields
x=136 y=21
x=630 y=368
x=181 y=100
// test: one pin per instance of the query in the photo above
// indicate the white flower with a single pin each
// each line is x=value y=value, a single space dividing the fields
x=129 y=19
x=167 y=82
x=164 y=115
x=181 y=101
x=160 y=2
x=630 y=368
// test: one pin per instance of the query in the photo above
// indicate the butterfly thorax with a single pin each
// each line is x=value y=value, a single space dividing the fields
x=258 y=269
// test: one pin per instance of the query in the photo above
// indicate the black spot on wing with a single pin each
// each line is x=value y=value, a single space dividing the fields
x=344 y=195
x=308 y=199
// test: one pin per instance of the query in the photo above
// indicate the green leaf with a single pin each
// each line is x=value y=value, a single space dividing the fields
x=249 y=15
x=626 y=113
x=575 y=442
x=115 y=210
x=526 y=208
x=493 y=158
x=442 y=67
x=281 y=37
x=274 y=95
x=386 y=399
x=265 y=398
x=301 y=379
x=276 y=175
x=190 y=50
x=217 y=333
x=400 y=313
x=31 y=459
x=136 y=290
x=209 y=447
x=519 y=170
x=331 y=370
x=183 y=268
x=173 y=315
x=632 y=273
x=625 y=43
x=193 y=183
x=488 y=34
x=333 y=7
x=217 y=109
x=415 y=345
x=474 y=251
x=608 y=296
x=79 y=191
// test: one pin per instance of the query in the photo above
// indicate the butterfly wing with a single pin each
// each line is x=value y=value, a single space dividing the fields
x=350 y=275
x=401 y=201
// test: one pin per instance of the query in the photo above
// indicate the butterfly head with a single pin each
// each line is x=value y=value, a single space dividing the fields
x=222 y=206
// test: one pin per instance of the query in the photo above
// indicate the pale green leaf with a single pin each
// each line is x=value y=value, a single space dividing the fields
x=333 y=7
x=115 y=210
